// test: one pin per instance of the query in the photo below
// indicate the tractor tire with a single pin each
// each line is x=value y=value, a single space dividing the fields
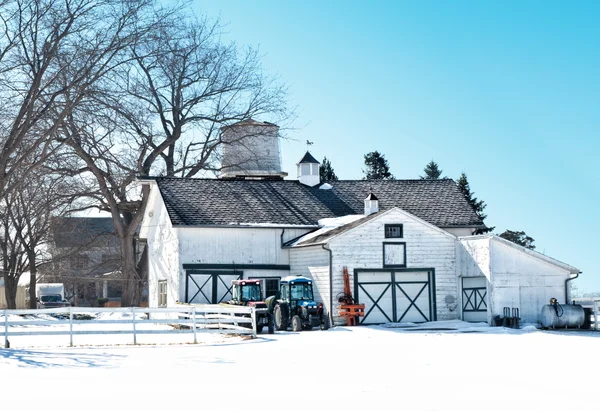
x=271 y=326
x=296 y=323
x=281 y=319
x=325 y=323
x=259 y=329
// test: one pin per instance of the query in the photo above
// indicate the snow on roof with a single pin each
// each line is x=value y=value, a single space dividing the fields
x=328 y=224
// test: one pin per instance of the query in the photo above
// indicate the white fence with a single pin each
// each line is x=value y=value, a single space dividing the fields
x=73 y=321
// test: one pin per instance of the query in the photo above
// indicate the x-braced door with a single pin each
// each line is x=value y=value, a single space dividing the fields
x=209 y=287
x=474 y=299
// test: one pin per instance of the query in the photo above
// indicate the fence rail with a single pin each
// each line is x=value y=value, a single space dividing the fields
x=190 y=319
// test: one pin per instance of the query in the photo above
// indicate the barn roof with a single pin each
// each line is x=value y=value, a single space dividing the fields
x=198 y=202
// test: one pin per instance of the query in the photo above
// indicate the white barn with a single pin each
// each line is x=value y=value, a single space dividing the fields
x=407 y=244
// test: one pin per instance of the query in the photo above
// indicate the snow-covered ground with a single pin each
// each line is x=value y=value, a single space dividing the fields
x=447 y=365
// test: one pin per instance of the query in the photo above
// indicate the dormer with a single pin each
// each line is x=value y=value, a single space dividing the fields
x=308 y=170
x=371 y=204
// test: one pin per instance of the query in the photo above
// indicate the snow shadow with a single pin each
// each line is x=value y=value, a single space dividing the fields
x=58 y=359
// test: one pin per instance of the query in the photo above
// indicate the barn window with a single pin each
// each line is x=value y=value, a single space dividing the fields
x=394 y=254
x=268 y=285
x=394 y=231
x=162 y=293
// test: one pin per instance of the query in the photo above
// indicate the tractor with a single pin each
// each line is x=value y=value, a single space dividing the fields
x=294 y=305
x=248 y=293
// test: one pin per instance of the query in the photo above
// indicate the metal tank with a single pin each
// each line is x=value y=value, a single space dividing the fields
x=251 y=149
x=562 y=316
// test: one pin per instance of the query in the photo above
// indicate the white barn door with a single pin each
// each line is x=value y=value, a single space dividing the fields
x=474 y=299
x=395 y=295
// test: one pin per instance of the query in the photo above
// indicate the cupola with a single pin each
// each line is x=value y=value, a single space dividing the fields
x=371 y=204
x=308 y=170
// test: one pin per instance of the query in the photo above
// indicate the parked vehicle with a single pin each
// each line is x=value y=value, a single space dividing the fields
x=294 y=305
x=51 y=295
x=248 y=293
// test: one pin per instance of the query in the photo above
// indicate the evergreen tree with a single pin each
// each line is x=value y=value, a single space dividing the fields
x=432 y=171
x=519 y=237
x=326 y=172
x=477 y=205
x=377 y=167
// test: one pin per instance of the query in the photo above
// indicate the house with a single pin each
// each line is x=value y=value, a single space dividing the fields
x=86 y=256
x=408 y=244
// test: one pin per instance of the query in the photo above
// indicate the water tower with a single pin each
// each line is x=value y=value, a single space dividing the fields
x=250 y=150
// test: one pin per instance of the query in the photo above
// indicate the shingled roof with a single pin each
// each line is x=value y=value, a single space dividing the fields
x=197 y=202
x=83 y=231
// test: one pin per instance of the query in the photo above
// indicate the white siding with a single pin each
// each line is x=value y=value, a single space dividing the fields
x=251 y=245
x=163 y=257
x=524 y=281
x=313 y=262
x=460 y=231
x=473 y=260
x=426 y=247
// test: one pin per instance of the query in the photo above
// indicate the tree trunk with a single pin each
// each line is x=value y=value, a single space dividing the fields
x=10 y=291
x=132 y=284
x=32 y=281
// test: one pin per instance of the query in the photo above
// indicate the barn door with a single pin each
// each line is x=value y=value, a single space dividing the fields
x=395 y=295
x=474 y=299
x=209 y=287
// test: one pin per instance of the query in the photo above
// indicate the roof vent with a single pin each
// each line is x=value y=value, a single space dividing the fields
x=308 y=170
x=371 y=204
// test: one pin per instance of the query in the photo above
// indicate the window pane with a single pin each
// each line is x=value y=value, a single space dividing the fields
x=393 y=254
x=393 y=231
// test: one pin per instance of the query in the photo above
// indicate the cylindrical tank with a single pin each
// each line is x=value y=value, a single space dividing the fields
x=562 y=316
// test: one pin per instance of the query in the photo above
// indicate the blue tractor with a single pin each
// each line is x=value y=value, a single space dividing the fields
x=294 y=306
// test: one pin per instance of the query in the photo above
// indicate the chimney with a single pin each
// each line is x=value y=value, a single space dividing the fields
x=308 y=170
x=371 y=204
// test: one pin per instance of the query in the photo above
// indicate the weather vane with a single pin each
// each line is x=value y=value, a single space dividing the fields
x=308 y=143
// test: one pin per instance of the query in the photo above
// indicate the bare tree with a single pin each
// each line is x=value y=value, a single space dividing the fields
x=51 y=53
x=161 y=114
x=27 y=212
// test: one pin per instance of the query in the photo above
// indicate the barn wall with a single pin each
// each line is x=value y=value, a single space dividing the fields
x=524 y=281
x=313 y=262
x=163 y=257
x=251 y=245
x=473 y=260
x=426 y=247
x=460 y=231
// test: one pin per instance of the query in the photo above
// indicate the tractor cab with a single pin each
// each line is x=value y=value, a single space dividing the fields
x=299 y=292
x=294 y=305
x=245 y=291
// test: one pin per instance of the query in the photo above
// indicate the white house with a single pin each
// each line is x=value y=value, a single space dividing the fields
x=407 y=244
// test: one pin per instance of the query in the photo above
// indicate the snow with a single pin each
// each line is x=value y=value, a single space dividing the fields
x=464 y=367
x=328 y=224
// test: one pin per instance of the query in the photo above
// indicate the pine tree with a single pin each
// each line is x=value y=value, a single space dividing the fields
x=519 y=237
x=432 y=171
x=326 y=171
x=477 y=205
x=377 y=167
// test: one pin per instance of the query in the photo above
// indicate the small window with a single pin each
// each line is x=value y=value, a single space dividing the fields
x=394 y=231
x=394 y=254
x=162 y=293
x=271 y=286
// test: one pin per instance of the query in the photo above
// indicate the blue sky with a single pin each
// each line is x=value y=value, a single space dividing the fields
x=507 y=92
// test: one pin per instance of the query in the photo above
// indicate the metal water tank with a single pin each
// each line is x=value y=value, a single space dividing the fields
x=562 y=316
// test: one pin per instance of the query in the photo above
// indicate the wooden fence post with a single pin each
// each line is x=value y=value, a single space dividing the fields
x=6 y=345
x=70 y=326
x=194 y=323
x=133 y=321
